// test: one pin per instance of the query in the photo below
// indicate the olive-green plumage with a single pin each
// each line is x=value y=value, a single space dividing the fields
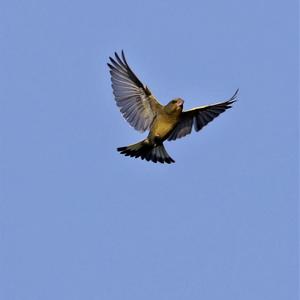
x=141 y=109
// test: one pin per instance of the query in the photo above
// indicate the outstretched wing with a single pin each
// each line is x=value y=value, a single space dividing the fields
x=199 y=117
x=137 y=104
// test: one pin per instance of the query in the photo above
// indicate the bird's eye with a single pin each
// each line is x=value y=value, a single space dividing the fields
x=174 y=101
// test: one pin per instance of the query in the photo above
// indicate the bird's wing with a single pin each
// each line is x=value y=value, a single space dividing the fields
x=137 y=104
x=199 y=117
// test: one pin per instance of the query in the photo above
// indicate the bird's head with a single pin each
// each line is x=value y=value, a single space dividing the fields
x=175 y=105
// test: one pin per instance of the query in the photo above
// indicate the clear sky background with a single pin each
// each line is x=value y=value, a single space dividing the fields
x=79 y=221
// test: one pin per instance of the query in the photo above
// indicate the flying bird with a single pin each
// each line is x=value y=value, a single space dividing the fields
x=164 y=122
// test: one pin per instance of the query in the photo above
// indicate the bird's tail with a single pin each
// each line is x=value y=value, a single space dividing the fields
x=147 y=151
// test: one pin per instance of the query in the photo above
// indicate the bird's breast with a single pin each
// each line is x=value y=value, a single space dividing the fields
x=162 y=127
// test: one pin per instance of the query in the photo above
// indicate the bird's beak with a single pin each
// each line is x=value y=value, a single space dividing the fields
x=180 y=103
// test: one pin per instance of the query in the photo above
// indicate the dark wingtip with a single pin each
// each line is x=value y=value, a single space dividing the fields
x=117 y=56
x=123 y=56
x=169 y=160
x=120 y=149
x=233 y=98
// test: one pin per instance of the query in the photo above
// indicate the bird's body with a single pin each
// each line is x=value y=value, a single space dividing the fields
x=164 y=122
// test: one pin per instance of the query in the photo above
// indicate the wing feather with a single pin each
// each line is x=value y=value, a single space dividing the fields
x=137 y=104
x=200 y=117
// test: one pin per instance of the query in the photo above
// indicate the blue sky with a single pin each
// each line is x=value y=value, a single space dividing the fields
x=80 y=221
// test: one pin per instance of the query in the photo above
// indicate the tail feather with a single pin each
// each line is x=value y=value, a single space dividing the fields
x=148 y=152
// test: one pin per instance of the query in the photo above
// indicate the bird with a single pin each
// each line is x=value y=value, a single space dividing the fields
x=145 y=113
